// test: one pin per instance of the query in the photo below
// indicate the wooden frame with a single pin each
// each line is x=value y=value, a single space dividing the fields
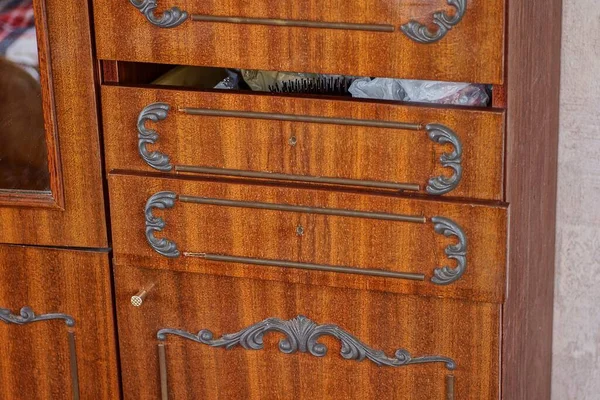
x=54 y=198
x=72 y=213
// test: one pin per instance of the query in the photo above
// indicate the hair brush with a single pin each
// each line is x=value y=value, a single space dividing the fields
x=333 y=85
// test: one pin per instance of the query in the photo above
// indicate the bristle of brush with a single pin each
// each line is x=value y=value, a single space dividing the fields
x=322 y=85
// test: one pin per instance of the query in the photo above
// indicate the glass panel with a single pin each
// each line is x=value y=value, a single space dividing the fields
x=23 y=147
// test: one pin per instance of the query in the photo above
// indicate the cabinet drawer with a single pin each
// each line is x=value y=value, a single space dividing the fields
x=334 y=238
x=433 y=151
x=214 y=337
x=453 y=40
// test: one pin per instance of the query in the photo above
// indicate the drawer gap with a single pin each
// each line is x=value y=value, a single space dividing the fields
x=205 y=78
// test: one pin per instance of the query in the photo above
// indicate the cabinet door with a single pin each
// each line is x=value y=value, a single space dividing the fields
x=189 y=336
x=56 y=326
x=50 y=165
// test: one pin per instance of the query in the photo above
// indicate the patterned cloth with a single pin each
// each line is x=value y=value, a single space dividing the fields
x=18 y=41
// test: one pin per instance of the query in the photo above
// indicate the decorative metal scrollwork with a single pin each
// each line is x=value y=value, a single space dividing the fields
x=161 y=200
x=446 y=275
x=27 y=316
x=154 y=112
x=169 y=19
x=443 y=135
x=421 y=34
x=302 y=335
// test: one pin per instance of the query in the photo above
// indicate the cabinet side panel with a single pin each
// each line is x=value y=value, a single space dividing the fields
x=533 y=77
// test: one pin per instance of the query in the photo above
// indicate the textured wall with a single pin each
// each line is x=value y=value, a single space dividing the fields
x=576 y=369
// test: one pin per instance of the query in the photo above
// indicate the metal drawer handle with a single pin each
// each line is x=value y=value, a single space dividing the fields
x=443 y=226
x=437 y=133
x=28 y=316
x=414 y=30
x=301 y=335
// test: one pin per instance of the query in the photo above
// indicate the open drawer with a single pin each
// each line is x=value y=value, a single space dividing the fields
x=305 y=235
x=197 y=336
x=453 y=40
x=366 y=144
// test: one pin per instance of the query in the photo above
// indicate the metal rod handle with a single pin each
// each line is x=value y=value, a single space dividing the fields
x=73 y=365
x=301 y=118
x=293 y=23
x=304 y=209
x=162 y=365
x=174 y=16
x=440 y=134
x=297 y=178
x=449 y=387
x=309 y=266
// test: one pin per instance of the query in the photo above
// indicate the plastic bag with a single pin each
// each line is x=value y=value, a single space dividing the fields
x=463 y=94
x=378 y=88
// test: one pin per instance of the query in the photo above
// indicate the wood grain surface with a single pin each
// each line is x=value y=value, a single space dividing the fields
x=473 y=51
x=533 y=79
x=320 y=150
x=332 y=240
x=82 y=222
x=466 y=332
x=35 y=357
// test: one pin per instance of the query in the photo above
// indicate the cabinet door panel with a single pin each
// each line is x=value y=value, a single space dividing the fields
x=56 y=325
x=277 y=331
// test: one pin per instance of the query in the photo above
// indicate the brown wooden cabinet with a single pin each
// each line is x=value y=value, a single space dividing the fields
x=282 y=241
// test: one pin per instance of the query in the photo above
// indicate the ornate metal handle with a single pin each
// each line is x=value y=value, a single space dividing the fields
x=414 y=30
x=301 y=335
x=443 y=226
x=28 y=316
x=437 y=185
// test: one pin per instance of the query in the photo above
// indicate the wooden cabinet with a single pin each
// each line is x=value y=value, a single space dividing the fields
x=288 y=242
x=56 y=323
x=56 y=328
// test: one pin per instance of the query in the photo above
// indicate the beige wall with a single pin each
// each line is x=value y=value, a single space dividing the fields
x=576 y=369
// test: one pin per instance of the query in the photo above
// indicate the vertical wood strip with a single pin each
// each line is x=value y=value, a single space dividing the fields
x=533 y=79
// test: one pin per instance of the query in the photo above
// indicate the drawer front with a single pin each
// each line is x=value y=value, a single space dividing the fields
x=279 y=233
x=377 y=146
x=56 y=325
x=197 y=336
x=453 y=40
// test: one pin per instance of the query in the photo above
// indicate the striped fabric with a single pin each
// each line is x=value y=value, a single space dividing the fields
x=18 y=42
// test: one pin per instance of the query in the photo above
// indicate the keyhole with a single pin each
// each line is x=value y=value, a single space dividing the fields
x=293 y=140
x=300 y=230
